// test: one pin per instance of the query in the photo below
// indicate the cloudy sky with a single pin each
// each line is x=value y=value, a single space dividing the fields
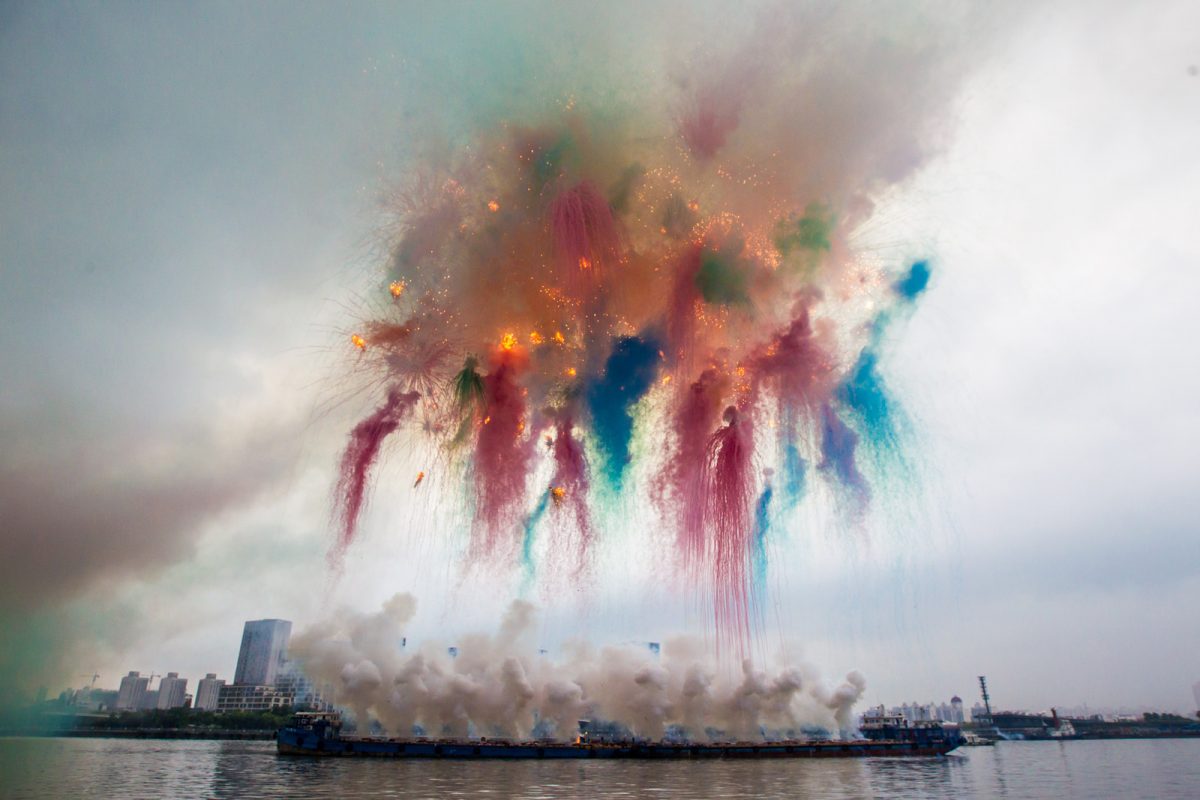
x=188 y=205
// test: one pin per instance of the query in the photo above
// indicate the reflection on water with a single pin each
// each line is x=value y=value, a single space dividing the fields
x=113 y=768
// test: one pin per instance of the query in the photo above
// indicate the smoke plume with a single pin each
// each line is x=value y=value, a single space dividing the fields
x=502 y=685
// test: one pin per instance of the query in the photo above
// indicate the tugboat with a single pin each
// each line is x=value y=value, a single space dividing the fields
x=319 y=734
x=926 y=734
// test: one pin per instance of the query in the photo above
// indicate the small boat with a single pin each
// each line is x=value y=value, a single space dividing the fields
x=972 y=739
x=319 y=734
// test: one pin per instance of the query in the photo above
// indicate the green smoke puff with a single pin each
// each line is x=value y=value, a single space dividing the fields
x=808 y=233
x=720 y=279
x=618 y=195
x=677 y=219
x=468 y=385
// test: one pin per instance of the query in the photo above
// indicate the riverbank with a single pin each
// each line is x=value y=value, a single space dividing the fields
x=147 y=733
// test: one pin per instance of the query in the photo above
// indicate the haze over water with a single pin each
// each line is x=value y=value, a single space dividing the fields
x=38 y=769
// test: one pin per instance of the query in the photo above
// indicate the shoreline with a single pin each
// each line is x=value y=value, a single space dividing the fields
x=141 y=733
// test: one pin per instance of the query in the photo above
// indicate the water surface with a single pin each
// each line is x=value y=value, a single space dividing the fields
x=119 y=768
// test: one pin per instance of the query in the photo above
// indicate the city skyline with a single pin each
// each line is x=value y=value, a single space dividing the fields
x=953 y=710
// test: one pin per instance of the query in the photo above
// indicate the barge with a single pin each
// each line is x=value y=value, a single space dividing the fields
x=319 y=734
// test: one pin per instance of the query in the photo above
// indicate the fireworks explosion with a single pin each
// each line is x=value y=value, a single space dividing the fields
x=681 y=270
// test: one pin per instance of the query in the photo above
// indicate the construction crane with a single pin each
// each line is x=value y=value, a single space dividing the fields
x=153 y=675
x=94 y=676
x=987 y=701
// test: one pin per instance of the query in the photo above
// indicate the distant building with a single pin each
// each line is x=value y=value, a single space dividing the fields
x=172 y=691
x=132 y=693
x=245 y=697
x=263 y=651
x=208 y=692
x=956 y=710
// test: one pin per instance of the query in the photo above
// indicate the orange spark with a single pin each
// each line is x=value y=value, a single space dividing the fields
x=570 y=372
x=508 y=341
x=558 y=337
x=358 y=342
x=584 y=263
x=420 y=477
x=666 y=379
x=535 y=337
x=397 y=289
x=557 y=494
x=487 y=420
x=493 y=206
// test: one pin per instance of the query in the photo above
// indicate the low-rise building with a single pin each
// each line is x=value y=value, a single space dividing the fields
x=305 y=694
x=251 y=697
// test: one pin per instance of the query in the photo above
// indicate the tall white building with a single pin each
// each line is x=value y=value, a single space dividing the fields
x=263 y=651
x=208 y=692
x=132 y=693
x=172 y=691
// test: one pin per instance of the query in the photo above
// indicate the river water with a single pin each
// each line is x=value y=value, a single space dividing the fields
x=120 y=768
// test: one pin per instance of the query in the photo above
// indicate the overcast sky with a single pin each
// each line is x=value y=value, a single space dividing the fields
x=187 y=200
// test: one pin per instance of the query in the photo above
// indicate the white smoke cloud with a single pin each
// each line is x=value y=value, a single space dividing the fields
x=501 y=685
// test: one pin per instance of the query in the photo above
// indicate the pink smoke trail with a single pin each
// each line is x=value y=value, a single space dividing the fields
x=571 y=478
x=502 y=452
x=730 y=498
x=796 y=361
x=585 y=233
x=681 y=312
x=358 y=459
x=683 y=479
x=712 y=115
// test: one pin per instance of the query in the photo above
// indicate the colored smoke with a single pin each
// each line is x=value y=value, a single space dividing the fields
x=359 y=458
x=616 y=258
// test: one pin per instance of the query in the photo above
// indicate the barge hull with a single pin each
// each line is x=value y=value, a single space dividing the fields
x=298 y=744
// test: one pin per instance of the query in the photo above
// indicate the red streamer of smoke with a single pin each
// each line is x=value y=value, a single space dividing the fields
x=712 y=116
x=684 y=478
x=571 y=476
x=681 y=312
x=358 y=459
x=799 y=369
x=731 y=496
x=502 y=453
x=585 y=234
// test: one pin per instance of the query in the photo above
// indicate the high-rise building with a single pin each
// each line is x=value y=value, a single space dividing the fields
x=208 y=691
x=264 y=648
x=132 y=693
x=1196 y=694
x=172 y=691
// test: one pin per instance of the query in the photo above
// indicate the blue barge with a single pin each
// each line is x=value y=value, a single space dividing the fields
x=320 y=735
